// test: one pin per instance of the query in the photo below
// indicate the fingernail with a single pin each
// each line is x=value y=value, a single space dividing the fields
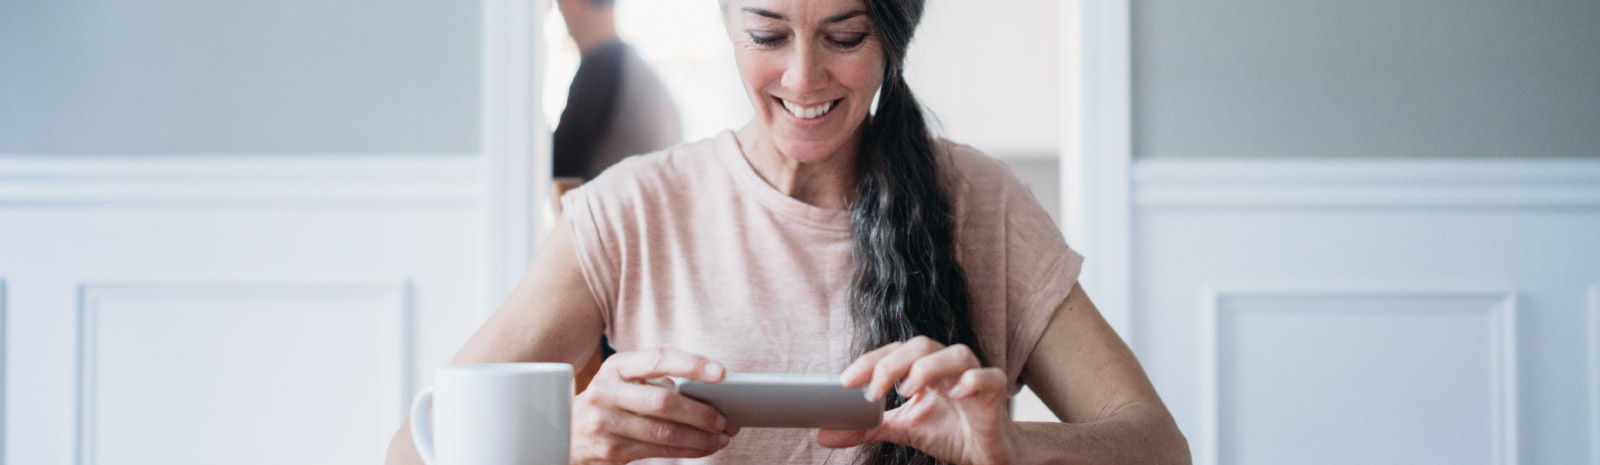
x=722 y=439
x=848 y=373
x=868 y=393
x=955 y=392
x=722 y=423
x=714 y=370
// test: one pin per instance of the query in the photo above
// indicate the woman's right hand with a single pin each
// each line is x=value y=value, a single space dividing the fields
x=630 y=410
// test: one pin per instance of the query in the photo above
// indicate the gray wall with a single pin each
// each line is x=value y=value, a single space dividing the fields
x=1366 y=78
x=154 y=76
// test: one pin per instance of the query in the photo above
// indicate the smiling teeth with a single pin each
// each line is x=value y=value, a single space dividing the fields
x=807 y=113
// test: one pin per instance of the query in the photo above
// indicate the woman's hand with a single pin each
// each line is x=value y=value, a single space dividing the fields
x=630 y=411
x=955 y=410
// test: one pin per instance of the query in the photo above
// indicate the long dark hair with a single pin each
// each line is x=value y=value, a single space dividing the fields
x=907 y=281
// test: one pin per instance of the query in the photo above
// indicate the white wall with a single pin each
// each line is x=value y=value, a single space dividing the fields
x=990 y=74
x=1360 y=232
x=246 y=233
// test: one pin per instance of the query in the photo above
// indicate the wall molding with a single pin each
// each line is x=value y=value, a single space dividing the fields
x=91 y=294
x=241 y=179
x=1413 y=183
x=1097 y=152
x=1504 y=368
x=519 y=179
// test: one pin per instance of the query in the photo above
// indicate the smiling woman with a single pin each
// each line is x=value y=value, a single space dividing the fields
x=827 y=235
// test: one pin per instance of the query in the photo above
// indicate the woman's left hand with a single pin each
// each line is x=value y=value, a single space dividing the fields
x=955 y=409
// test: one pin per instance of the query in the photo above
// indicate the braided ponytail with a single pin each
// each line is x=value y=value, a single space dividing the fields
x=907 y=281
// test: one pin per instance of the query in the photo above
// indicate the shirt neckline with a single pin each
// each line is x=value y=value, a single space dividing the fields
x=769 y=196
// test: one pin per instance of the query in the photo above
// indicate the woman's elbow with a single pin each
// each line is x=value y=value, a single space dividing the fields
x=1170 y=446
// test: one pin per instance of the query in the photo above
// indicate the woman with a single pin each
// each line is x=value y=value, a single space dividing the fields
x=826 y=236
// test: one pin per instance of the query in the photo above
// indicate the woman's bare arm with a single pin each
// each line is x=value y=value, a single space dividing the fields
x=1090 y=379
x=549 y=317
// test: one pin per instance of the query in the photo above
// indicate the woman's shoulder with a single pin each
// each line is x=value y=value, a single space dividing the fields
x=976 y=178
x=680 y=168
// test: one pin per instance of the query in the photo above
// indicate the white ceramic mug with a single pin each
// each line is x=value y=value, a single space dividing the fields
x=495 y=414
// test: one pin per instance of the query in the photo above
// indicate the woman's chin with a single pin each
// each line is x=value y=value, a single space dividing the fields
x=808 y=152
x=809 y=146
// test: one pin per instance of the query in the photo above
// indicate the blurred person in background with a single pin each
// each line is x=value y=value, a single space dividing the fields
x=616 y=106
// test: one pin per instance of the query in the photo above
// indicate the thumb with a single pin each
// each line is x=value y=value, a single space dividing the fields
x=842 y=438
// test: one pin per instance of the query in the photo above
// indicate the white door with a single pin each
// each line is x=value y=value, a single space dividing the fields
x=240 y=232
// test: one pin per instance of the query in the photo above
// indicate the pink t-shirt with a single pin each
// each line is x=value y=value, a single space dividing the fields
x=689 y=248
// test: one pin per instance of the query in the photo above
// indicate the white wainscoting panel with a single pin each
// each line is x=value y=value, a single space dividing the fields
x=168 y=370
x=5 y=351
x=1594 y=374
x=1371 y=252
x=442 y=251
x=1411 y=376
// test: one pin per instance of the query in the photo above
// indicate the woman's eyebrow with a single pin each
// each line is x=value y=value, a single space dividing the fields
x=766 y=13
x=843 y=16
x=779 y=16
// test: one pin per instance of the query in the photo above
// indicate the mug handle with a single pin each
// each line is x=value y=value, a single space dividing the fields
x=421 y=433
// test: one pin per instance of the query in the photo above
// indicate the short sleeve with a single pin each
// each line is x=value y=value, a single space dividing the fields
x=596 y=242
x=1040 y=270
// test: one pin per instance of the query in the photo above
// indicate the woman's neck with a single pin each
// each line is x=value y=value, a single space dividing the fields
x=829 y=183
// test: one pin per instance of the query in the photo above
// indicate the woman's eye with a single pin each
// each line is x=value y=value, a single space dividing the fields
x=765 y=39
x=848 y=40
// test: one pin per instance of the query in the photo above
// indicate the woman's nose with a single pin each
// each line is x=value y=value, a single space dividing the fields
x=805 y=74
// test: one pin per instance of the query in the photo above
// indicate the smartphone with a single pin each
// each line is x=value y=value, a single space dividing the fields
x=786 y=400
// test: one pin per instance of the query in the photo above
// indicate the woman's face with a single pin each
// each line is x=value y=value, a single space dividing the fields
x=810 y=68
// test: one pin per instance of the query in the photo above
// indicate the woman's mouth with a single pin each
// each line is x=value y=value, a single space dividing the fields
x=809 y=112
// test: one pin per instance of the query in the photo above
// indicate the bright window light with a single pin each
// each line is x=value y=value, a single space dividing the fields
x=685 y=44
